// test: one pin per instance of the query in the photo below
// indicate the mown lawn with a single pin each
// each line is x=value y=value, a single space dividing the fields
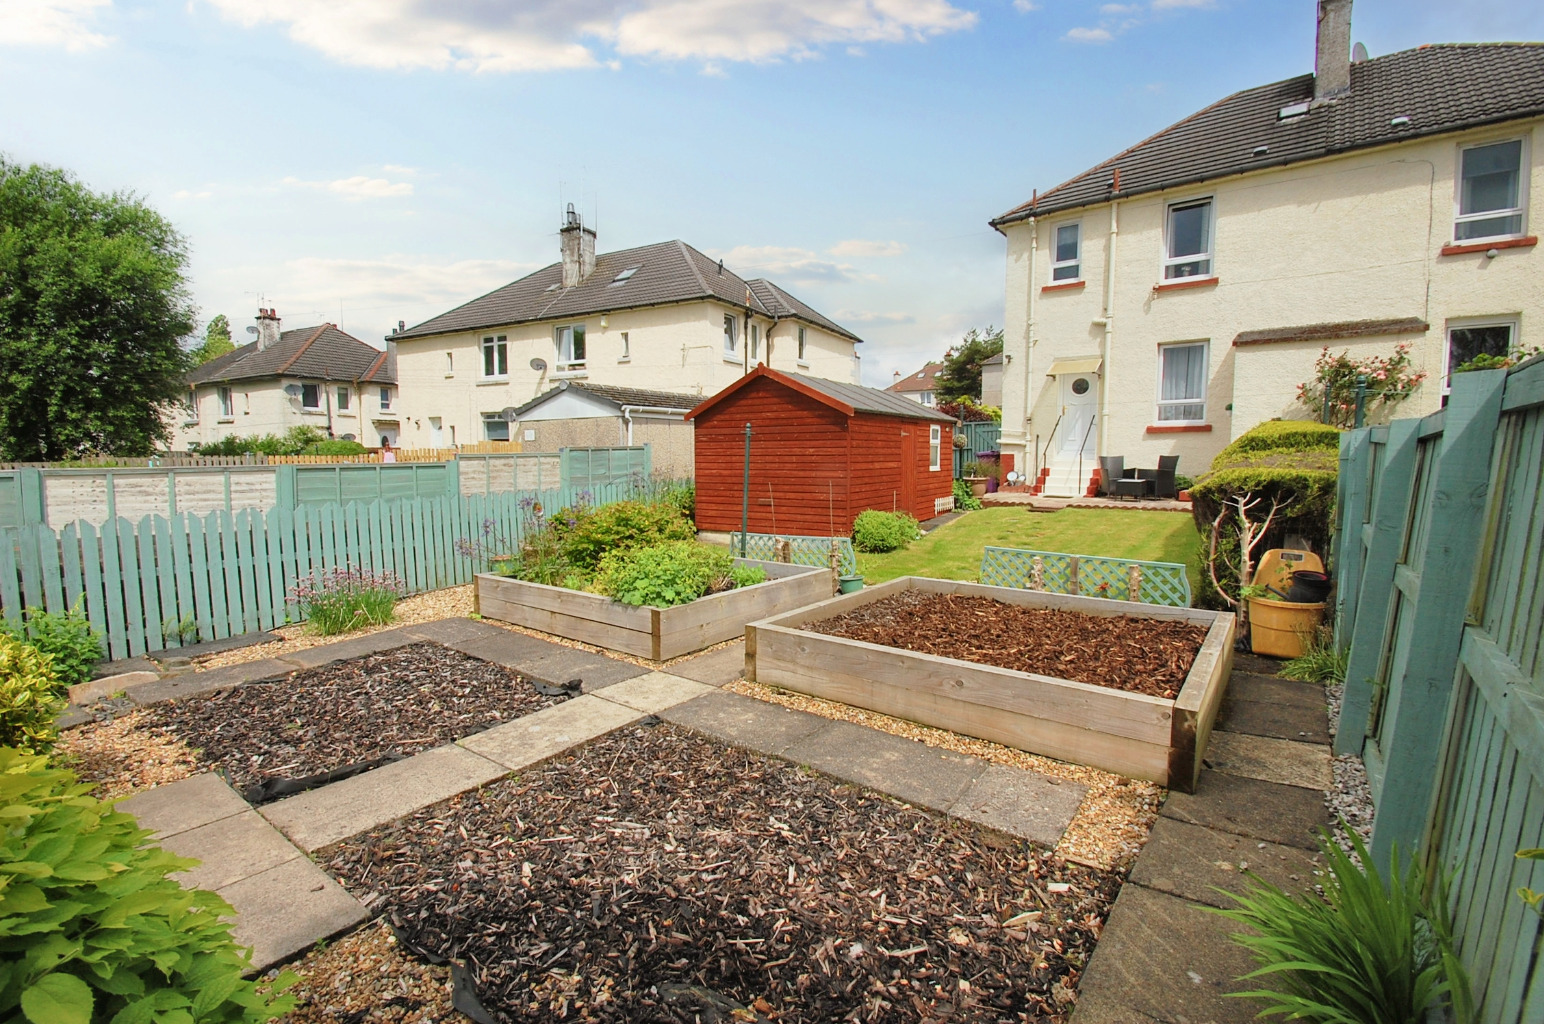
x=953 y=552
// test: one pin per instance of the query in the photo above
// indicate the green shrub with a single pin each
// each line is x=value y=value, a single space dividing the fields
x=1282 y=436
x=65 y=636
x=29 y=700
x=621 y=525
x=335 y=447
x=676 y=572
x=292 y=442
x=1320 y=662
x=92 y=928
x=681 y=495
x=875 y=531
x=1372 y=949
x=348 y=599
x=965 y=500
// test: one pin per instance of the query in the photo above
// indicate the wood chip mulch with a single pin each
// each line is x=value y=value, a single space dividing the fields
x=400 y=702
x=1138 y=655
x=654 y=875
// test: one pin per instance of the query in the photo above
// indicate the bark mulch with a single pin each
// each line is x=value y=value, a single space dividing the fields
x=1150 y=656
x=654 y=875
x=394 y=704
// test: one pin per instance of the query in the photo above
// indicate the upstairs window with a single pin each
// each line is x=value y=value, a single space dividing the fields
x=755 y=342
x=1490 y=197
x=343 y=398
x=801 y=345
x=190 y=403
x=730 y=323
x=1182 y=383
x=385 y=399
x=1188 y=241
x=310 y=396
x=1067 y=264
x=495 y=353
x=627 y=348
x=227 y=404
x=570 y=341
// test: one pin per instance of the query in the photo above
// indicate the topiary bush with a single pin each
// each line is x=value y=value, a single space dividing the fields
x=29 y=701
x=875 y=532
x=92 y=928
x=620 y=525
x=66 y=636
x=676 y=572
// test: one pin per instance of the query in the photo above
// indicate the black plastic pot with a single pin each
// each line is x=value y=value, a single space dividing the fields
x=1309 y=587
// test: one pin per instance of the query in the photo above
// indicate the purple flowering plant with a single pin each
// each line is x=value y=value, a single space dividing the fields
x=348 y=598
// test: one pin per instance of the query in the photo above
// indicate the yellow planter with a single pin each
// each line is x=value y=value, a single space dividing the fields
x=1281 y=628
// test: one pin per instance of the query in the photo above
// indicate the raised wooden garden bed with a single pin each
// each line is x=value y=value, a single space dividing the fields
x=656 y=633
x=1131 y=734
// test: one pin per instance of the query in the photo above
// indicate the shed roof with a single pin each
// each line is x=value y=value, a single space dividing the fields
x=617 y=396
x=846 y=398
x=323 y=352
x=1439 y=89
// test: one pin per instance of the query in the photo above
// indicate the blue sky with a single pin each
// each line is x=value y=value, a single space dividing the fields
x=384 y=160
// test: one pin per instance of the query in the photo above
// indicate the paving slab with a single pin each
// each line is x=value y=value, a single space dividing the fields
x=1166 y=959
x=229 y=643
x=716 y=668
x=74 y=718
x=1194 y=862
x=1275 y=690
x=547 y=662
x=1273 y=760
x=344 y=650
x=743 y=721
x=289 y=908
x=550 y=731
x=1281 y=721
x=654 y=692
x=1270 y=811
x=94 y=690
x=313 y=820
x=905 y=769
x=183 y=805
x=191 y=683
x=449 y=631
x=1256 y=663
x=231 y=849
x=122 y=665
x=1021 y=803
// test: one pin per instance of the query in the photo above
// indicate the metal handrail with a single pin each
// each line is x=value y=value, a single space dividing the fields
x=1045 y=453
x=1091 y=420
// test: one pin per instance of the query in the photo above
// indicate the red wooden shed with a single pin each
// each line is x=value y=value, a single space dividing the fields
x=821 y=452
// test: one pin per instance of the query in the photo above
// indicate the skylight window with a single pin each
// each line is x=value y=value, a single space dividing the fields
x=1292 y=110
x=624 y=275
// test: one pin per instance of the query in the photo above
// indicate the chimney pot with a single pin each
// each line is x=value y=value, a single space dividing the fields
x=1332 y=53
x=267 y=328
x=577 y=243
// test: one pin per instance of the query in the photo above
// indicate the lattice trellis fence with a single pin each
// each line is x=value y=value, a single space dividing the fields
x=1120 y=579
x=767 y=547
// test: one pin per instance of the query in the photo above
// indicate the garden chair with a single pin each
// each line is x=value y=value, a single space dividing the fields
x=1111 y=469
x=1163 y=477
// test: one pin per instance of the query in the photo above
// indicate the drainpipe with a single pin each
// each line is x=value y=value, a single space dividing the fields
x=1107 y=345
x=1029 y=349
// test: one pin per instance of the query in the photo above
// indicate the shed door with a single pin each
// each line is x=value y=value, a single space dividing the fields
x=907 y=499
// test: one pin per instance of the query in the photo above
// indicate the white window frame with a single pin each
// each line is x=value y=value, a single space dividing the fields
x=1505 y=320
x=803 y=350
x=496 y=417
x=227 y=400
x=755 y=342
x=344 y=397
x=1210 y=253
x=385 y=399
x=731 y=338
x=935 y=439
x=928 y=398
x=1520 y=210
x=190 y=402
x=1076 y=263
x=563 y=340
x=495 y=356
x=450 y=364
x=314 y=406
x=627 y=349
x=1160 y=402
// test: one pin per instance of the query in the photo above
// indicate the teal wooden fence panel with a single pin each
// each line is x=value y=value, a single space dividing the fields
x=802 y=550
x=979 y=437
x=1055 y=572
x=225 y=573
x=1445 y=691
x=346 y=482
x=588 y=468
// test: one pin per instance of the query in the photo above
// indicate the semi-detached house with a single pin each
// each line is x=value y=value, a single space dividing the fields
x=1175 y=295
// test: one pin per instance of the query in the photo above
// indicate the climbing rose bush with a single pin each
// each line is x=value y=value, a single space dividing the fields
x=1390 y=381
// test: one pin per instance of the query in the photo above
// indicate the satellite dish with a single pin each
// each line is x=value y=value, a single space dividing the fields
x=1358 y=53
x=539 y=365
x=510 y=414
x=293 y=390
x=251 y=329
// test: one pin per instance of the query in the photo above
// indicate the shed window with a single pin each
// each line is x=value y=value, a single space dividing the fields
x=227 y=404
x=1182 y=383
x=1067 y=265
x=495 y=353
x=495 y=426
x=570 y=340
x=1490 y=202
x=310 y=396
x=729 y=336
x=1188 y=240
x=935 y=435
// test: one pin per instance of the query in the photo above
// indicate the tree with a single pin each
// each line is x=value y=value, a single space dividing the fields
x=961 y=375
x=217 y=341
x=93 y=310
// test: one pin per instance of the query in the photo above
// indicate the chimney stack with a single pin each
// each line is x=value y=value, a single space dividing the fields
x=578 y=243
x=1332 y=56
x=267 y=328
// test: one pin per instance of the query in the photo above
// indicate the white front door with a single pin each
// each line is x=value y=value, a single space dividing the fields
x=1080 y=403
x=436 y=433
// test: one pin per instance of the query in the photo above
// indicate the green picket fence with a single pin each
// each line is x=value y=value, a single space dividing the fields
x=230 y=573
x=1440 y=582
x=1054 y=572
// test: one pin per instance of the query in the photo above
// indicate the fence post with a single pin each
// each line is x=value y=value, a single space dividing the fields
x=30 y=482
x=1456 y=519
x=1373 y=581
x=284 y=487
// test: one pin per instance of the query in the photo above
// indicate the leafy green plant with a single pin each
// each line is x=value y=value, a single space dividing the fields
x=1183 y=482
x=1369 y=951
x=981 y=469
x=621 y=525
x=746 y=575
x=1535 y=900
x=29 y=700
x=1321 y=661
x=346 y=599
x=875 y=531
x=292 y=442
x=964 y=499
x=185 y=629
x=334 y=447
x=1386 y=381
x=1486 y=361
x=676 y=572
x=93 y=930
x=65 y=636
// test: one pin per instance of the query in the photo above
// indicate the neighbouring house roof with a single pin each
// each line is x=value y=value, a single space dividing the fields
x=1334 y=331
x=663 y=273
x=922 y=380
x=846 y=398
x=323 y=353
x=617 y=396
x=1443 y=88
x=994 y=361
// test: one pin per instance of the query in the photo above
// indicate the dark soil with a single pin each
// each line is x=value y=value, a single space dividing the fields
x=1150 y=656
x=654 y=875
x=400 y=702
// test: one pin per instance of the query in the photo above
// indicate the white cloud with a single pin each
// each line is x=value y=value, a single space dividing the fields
x=184 y=193
x=358 y=187
x=399 y=169
x=859 y=316
x=784 y=264
x=1025 y=6
x=1089 y=35
x=64 y=23
x=862 y=247
x=545 y=35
